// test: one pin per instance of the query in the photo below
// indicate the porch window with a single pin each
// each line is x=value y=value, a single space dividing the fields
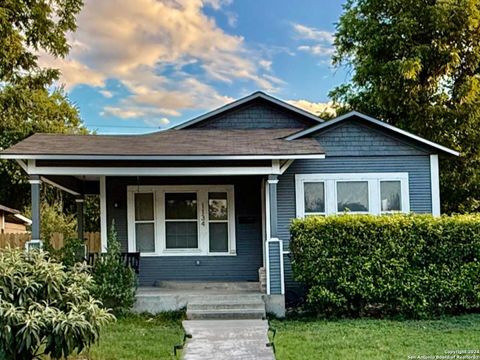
x=181 y=220
x=372 y=193
x=218 y=221
x=145 y=222
x=181 y=223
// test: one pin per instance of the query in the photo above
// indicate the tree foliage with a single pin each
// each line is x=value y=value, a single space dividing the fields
x=44 y=308
x=416 y=65
x=28 y=103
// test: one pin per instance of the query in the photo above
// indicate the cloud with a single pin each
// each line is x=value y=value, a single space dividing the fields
x=106 y=93
x=309 y=33
x=314 y=107
x=315 y=41
x=147 y=46
x=318 y=50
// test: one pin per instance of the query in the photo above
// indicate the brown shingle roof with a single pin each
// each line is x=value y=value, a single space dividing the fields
x=170 y=143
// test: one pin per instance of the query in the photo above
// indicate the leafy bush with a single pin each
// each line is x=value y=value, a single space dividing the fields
x=72 y=252
x=115 y=283
x=408 y=265
x=44 y=308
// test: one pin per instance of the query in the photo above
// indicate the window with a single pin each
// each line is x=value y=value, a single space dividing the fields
x=390 y=196
x=144 y=223
x=181 y=220
x=352 y=196
x=373 y=193
x=181 y=223
x=314 y=198
x=218 y=221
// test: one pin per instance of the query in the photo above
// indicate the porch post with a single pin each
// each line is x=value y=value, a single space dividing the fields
x=35 y=183
x=80 y=218
x=272 y=188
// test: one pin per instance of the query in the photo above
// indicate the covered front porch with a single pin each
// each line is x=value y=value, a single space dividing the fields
x=199 y=223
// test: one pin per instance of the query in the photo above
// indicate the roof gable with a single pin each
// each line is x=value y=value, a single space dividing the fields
x=374 y=123
x=256 y=111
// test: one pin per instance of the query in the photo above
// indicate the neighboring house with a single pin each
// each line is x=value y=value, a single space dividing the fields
x=12 y=221
x=212 y=199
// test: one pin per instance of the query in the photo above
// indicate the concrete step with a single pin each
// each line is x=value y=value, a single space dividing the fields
x=247 y=305
x=233 y=313
x=222 y=297
x=209 y=285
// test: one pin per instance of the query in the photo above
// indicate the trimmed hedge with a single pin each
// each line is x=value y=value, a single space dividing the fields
x=415 y=266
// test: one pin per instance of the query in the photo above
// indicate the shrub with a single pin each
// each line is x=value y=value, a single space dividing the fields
x=44 y=308
x=115 y=283
x=408 y=265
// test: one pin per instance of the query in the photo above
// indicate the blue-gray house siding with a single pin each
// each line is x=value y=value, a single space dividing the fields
x=248 y=225
x=257 y=115
x=355 y=148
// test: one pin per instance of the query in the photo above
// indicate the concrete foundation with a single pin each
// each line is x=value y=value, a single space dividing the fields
x=156 y=299
x=275 y=305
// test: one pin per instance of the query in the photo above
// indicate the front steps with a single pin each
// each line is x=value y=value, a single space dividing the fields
x=238 y=306
x=204 y=300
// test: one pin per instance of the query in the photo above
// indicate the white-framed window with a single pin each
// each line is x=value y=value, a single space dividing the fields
x=181 y=220
x=358 y=193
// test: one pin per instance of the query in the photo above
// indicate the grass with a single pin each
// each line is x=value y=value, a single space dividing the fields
x=374 y=339
x=138 y=337
x=148 y=337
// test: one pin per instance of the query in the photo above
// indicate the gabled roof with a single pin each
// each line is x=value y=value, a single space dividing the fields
x=168 y=145
x=255 y=96
x=376 y=122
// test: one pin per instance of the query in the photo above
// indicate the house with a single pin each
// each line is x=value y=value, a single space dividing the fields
x=12 y=221
x=211 y=199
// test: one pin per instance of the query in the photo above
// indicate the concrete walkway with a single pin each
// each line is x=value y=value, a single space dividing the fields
x=227 y=339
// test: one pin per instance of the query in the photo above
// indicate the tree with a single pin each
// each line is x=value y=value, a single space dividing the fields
x=28 y=103
x=416 y=65
x=44 y=308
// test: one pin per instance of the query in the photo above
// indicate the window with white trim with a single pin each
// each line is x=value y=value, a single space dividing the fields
x=367 y=193
x=181 y=220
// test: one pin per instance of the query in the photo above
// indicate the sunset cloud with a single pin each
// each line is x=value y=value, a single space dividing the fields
x=138 y=42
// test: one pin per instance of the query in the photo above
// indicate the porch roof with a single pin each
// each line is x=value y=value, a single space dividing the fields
x=169 y=144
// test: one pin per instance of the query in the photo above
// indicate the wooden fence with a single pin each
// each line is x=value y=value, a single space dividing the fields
x=92 y=241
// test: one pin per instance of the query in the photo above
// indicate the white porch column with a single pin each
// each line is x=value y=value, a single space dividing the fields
x=103 y=214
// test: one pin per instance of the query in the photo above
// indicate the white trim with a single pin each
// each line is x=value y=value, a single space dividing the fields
x=159 y=220
x=373 y=121
x=22 y=218
x=153 y=171
x=159 y=157
x=435 y=184
x=61 y=187
x=22 y=164
x=103 y=214
x=34 y=181
x=243 y=100
x=286 y=165
x=330 y=187
x=267 y=235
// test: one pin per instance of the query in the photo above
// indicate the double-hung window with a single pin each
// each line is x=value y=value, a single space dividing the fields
x=181 y=220
x=368 y=193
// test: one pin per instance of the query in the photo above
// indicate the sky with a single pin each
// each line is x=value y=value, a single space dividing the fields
x=144 y=65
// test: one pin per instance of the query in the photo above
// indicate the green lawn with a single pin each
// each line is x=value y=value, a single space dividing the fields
x=374 y=339
x=138 y=337
x=143 y=337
